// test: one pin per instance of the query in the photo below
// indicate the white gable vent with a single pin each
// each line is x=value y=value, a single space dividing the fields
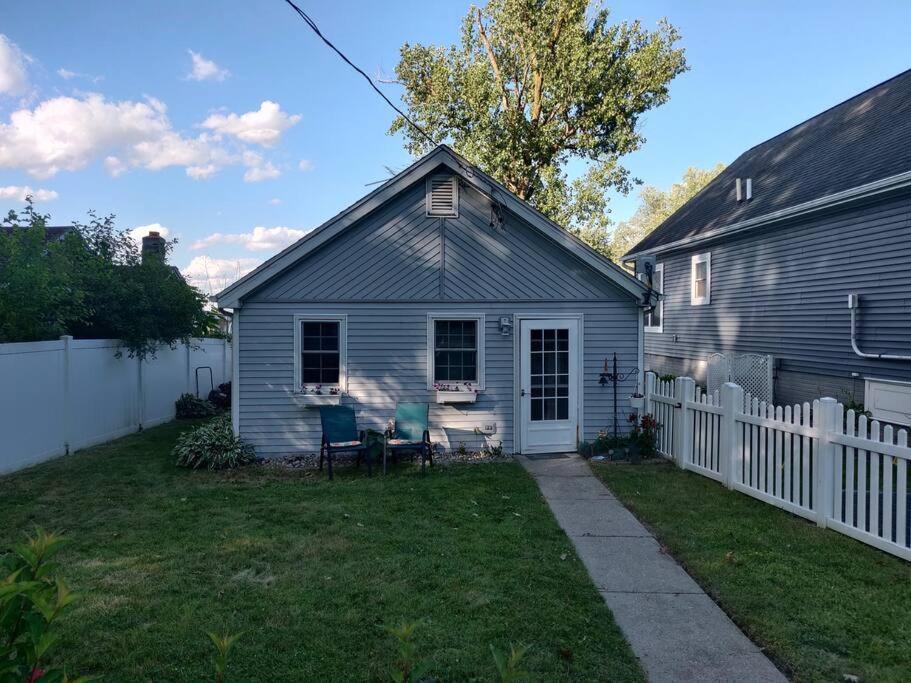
x=443 y=196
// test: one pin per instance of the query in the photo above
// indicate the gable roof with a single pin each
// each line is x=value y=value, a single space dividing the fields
x=861 y=142
x=231 y=296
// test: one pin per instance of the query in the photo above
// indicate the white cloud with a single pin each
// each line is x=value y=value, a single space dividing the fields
x=13 y=76
x=212 y=275
x=259 y=239
x=67 y=75
x=68 y=133
x=275 y=201
x=19 y=193
x=258 y=169
x=205 y=69
x=305 y=165
x=262 y=127
x=141 y=231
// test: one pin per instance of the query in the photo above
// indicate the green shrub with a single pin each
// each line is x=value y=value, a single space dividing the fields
x=189 y=406
x=668 y=377
x=213 y=446
x=31 y=600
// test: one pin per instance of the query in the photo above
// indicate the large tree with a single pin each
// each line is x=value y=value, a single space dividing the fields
x=92 y=283
x=534 y=85
x=655 y=205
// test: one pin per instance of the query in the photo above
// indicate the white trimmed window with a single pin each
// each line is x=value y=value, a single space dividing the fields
x=320 y=352
x=701 y=279
x=455 y=349
x=654 y=319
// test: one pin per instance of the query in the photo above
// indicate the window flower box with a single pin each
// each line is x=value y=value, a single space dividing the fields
x=456 y=393
x=313 y=397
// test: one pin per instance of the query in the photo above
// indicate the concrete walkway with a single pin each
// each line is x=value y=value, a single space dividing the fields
x=675 y=629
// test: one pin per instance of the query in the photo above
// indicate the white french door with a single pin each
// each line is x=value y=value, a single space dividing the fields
x=550 y=384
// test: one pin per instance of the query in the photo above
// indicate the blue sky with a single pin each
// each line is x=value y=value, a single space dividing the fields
x=97 y=106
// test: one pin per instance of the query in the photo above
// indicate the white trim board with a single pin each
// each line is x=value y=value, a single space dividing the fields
x=480 y=341
x=517 y=370
x=232 y=295
x=342 y=320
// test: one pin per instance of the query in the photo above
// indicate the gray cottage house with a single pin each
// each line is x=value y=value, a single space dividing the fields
x=800 y=249
x=442 y=287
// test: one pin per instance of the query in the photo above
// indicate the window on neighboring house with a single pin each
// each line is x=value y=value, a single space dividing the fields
x=701 y=279
x=320 y=351
x=654 y=320
x=456 y=350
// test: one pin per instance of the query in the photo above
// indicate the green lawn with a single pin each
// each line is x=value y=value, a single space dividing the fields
x=309 y=570
x=823 y=605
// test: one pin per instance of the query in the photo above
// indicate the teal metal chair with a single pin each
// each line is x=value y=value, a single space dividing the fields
x=340 y=434
x=410 y=433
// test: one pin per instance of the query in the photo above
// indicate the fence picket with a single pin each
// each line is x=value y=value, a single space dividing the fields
x=778 y=460
x=860 y=505
x=901 y=494
x=805 y=456
x=787 y=453
x=850 y=458
x=888 y=466
x=873 y=496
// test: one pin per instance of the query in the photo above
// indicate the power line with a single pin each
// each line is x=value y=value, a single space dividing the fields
x=312 y=24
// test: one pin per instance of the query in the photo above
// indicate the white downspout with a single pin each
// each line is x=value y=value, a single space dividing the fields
x=854 y=305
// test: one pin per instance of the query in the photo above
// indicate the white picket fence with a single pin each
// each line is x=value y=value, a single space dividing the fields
x=817 y=460
x=59 y=396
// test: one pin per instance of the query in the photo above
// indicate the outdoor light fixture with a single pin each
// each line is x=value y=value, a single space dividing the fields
x=505 y=325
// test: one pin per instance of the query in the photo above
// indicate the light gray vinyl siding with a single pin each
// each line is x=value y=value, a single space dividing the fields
x=398 y=254
x=387 y=362
x=783 y=291
x=386 y=274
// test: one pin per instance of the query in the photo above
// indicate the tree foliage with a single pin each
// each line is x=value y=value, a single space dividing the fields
x=656 y=205
x=535 y=85
x=92 y=283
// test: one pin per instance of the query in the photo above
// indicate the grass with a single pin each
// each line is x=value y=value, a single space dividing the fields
x=821 y=604
x=310 y=571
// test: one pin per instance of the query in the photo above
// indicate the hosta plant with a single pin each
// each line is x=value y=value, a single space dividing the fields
x=213 y=446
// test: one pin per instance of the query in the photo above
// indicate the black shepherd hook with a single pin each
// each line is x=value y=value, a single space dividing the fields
x=614 y=376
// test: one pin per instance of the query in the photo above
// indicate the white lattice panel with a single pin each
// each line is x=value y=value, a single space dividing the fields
x=752 y=371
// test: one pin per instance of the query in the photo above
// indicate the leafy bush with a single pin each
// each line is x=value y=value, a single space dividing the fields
x=31 y=600
x=213 y=446
x=189 y=406
x=667 y=377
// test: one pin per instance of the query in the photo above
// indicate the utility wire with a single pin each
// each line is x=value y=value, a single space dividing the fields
x=312 y=24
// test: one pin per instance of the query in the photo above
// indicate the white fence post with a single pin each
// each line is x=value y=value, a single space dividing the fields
x=684 y=392
x=650 y=380
x=826 y=424
x=731 y=404
x=67 y=390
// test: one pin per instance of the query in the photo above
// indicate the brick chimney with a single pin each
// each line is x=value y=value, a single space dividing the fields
x=153 y=246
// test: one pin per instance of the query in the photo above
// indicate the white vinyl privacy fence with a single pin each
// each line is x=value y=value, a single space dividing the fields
x=59 y=396
x=816 y=460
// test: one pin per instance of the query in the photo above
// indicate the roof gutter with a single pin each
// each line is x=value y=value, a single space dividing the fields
x=895 y=182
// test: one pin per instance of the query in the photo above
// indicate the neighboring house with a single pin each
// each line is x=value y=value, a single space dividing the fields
x=438 y=277
x=764 y=258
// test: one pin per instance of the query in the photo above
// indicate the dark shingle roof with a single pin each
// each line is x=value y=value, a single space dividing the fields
x=863 y=139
